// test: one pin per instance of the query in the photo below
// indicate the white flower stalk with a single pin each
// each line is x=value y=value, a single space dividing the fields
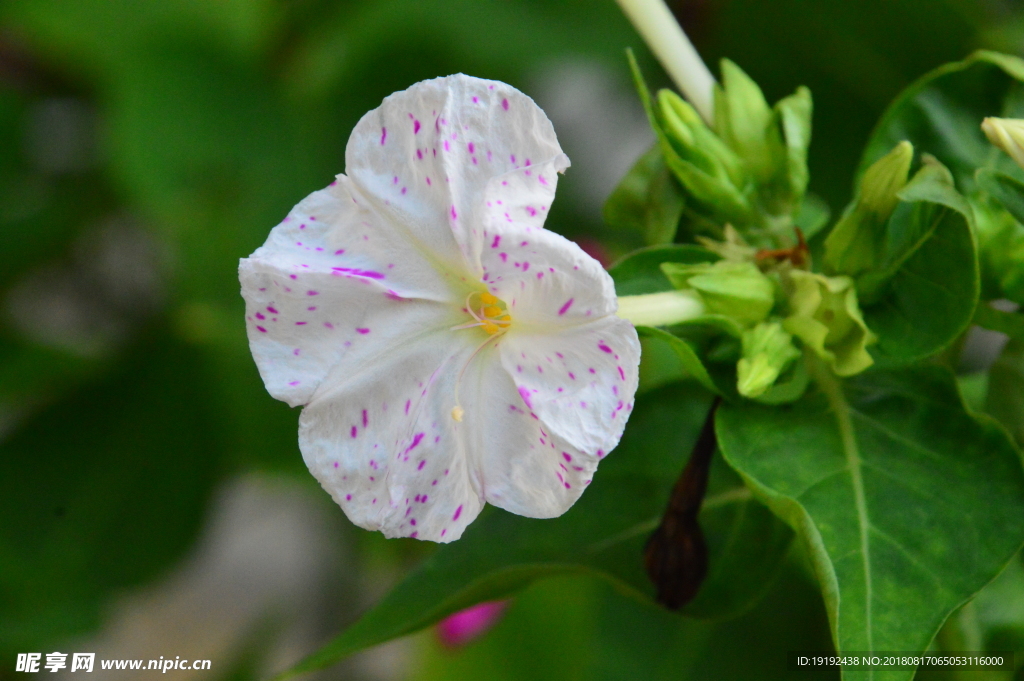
x=448 y=349
x=656 y=24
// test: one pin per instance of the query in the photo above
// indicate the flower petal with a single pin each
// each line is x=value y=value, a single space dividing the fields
x=433 y=155
x=334 y=279
x=517 y=462
x=545 y=279
x=382 y=441
x=579 y=380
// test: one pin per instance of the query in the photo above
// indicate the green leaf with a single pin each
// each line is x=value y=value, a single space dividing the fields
x=1005 y=398
x=603 y=533
x=907 y=504
x=1008 y=191
x=640 y=271
x=647 y=201
x=685 y=354
x=101 y=491
x=1010 y=323
x=930 y=263
x=999 y=611
x=941 y=114
x=616 y=637
x=1001 y=235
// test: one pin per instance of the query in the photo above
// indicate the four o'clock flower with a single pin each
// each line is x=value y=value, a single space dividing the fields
x=448 y=349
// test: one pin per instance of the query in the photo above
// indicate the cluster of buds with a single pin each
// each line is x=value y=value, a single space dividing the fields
x=742 y=166
x=771 y=302
x=748 y=166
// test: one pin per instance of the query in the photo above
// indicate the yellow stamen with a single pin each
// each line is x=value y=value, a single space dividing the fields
x=492 y=311
x=490 y=327
x=457 y=413
x=488 y=298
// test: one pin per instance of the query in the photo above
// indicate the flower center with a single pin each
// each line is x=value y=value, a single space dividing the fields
x=488 y=312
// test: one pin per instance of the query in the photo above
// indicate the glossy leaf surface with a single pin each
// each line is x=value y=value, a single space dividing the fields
x=907 y=504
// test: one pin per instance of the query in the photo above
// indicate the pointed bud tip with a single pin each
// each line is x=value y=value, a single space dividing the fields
x=1007 y=134
x=885 y=178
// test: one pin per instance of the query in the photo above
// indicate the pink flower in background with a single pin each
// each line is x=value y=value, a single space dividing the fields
x=459 y=629
x=448 y=349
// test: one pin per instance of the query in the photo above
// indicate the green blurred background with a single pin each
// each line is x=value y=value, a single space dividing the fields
x=152 y=497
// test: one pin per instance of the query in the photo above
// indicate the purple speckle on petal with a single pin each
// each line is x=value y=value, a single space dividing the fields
x=355 y=431
x=604 y=347
x=415 y=127
x=422 y=464
x=504 y=104
x=312 y=293
x=525 y=394
x=348 y=497
x=363 y=331
x=458 y=512
x=366 y=420
x=383 y=135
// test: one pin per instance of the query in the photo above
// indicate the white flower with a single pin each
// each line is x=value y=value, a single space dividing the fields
x=449 y=350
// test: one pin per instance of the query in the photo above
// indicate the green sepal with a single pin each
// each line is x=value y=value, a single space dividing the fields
x=790 y=387
x=738 y=290
x=767 y=351
x=825 y=315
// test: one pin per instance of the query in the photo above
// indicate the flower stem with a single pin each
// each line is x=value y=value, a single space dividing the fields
x=655 y=23
x=660 y=309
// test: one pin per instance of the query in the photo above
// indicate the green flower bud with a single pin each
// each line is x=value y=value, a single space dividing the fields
x=825 y=315
x=747 y=124
x=702 y=147
x=855 y=243
x=1007 y=134
x=767 y=351
x=702 y=163
x=734 y=289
